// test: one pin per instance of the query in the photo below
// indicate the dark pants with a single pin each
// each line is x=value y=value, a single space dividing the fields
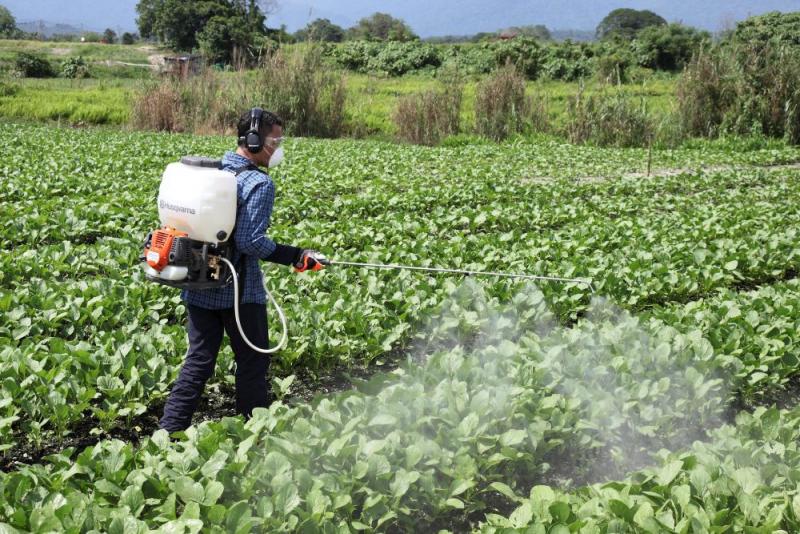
x=206 y=328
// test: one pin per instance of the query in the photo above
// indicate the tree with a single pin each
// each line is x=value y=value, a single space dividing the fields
x=128 y=38
x=217 y=27
x=110 y=36
x=8 y=24
x=381 y=27
x=668 y=47
x=322 y=30
x=626 y=23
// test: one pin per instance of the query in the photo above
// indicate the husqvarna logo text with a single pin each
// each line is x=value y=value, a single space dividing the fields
x=172 y=207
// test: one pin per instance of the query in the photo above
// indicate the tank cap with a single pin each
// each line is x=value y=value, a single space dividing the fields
x=200 y=161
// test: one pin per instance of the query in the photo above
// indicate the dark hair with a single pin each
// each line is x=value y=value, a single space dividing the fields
x=268 y=120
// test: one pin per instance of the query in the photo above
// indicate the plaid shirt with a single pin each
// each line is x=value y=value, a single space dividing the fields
x=255 y=196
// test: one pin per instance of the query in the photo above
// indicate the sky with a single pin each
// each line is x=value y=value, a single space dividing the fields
x=426 y=17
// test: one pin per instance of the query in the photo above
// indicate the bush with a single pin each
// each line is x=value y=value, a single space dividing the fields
x=470 y=59
x=392 y=58
x=300 y=88
x=28 y=65
x=523 y=52
x=429 y=117
x=608 y=120
x=75 y=67
x=567 y=61
x=398 y=58
x=501 y=106
x=353 y=55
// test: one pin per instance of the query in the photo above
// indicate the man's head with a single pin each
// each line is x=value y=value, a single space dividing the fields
x=259 y=127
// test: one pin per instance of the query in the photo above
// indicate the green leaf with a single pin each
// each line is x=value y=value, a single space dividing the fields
x=133 y=498
x=796 y=506
x=213 y=492
x=748 y=479
x=668 y=473
x=455 y=503
x=238 y=517
x=522 y=515
x=189 y=490
x=513 y=437
x=506 y=490
x=383 y=419
x=402 y=481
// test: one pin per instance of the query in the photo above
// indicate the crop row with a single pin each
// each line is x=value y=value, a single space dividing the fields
x=497 y=398
x=44 y=322
x=89 y=163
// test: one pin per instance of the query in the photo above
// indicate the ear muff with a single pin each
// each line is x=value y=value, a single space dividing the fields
x=252 y=139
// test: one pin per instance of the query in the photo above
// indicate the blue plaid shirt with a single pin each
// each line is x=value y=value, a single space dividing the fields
x=256 y=194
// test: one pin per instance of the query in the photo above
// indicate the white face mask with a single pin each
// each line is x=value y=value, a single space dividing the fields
x=276 y=158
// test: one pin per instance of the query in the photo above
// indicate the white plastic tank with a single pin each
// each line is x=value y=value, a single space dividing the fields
x=199 y=198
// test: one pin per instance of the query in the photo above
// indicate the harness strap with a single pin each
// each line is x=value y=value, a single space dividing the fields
x=241 y=263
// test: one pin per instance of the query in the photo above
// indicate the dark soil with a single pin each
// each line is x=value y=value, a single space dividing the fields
x=783 y=398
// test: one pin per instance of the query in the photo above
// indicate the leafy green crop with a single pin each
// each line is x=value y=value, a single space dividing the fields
x=504 y=384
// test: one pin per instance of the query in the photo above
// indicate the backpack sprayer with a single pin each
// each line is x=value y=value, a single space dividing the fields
x=197 y=203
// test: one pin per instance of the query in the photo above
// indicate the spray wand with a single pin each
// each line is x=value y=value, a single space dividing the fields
x=325 y=261
x=582 y=281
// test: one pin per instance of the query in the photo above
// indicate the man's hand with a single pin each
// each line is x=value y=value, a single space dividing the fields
x=310 y=260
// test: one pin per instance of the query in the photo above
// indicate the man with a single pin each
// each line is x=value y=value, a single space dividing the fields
x=210 y=312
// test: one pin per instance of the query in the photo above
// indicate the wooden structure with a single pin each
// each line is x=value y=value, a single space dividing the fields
x=182 y=66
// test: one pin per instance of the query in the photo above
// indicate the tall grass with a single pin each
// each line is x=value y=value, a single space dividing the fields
x=305 y=91
x=705 y=93
x=296 y=86
x=502 y=108
x=428 y=117
x=159 y=108
x=606 y=119
x=742 y=90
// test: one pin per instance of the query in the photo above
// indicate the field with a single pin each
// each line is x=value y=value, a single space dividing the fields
x=107 y=98
x=92 y=52
x=663 y=402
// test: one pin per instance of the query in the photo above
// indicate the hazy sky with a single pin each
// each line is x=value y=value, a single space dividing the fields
x=426 y=17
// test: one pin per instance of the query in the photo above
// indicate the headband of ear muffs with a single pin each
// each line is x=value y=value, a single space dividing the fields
x=252 y=139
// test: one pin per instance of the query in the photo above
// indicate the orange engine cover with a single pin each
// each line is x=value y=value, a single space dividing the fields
x=157 y=255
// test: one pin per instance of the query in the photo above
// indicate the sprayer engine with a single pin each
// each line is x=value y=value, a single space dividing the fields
x=197 y=208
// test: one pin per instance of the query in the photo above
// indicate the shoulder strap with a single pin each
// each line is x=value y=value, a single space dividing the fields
x=241 y=264
x=248 y=167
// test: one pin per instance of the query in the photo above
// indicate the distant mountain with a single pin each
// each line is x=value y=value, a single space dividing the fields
x=48 y=28
x=119 y=15
x=427 y=17
x=573 y=35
